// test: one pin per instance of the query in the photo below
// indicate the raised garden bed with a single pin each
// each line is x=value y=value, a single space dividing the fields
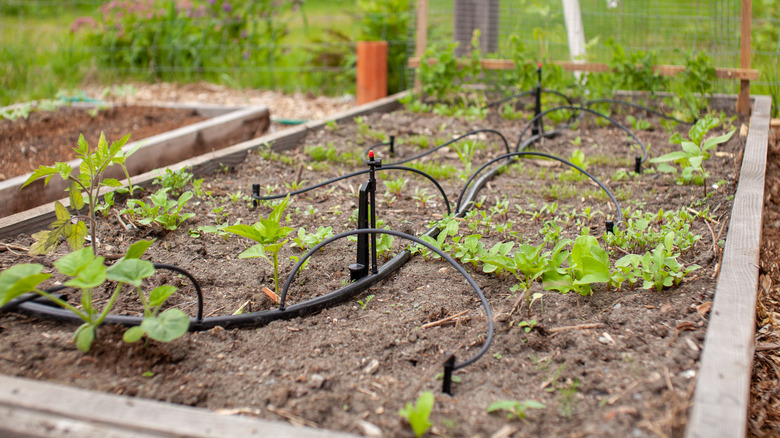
x=169 y=134
x=614 y=363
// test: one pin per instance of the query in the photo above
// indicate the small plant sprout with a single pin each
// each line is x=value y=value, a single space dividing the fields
x=418 y=415
x=162 y=211
x=514 y=408
x=421 y=196
x=268 y=233
x=396 y=187
x=174 y=180
x=88 y=181
x=364 y=304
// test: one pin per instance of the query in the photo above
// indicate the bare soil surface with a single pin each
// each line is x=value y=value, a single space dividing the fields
x=615 y=363
x=48 y=136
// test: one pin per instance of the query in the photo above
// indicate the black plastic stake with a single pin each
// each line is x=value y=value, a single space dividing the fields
x=392 y=146
x=449 y=366
x=638 y=164
x=610 y=227
x=538 y=128
x=359 y=269
x=373 y=164
x=255 y=194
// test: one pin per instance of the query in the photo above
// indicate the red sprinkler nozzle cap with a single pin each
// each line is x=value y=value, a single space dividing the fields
x=371 y=155
x=540 y=64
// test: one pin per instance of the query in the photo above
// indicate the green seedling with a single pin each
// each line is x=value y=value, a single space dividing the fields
x=514 y=408
x=162 y=211
x=639 y=124
x=269 y=235
x=175 y=181
x=396 y=187
x=89 y=181
x=364 y=304
x=418 y=415
x=527 y=325
x=87 y=272
x=306 y=240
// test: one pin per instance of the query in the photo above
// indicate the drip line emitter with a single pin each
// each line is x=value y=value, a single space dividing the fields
x=365 y=272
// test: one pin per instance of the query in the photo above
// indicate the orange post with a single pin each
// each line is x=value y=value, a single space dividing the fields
x=371 y=71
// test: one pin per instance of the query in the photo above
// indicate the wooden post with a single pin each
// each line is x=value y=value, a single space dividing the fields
x=422 y=37
x=371 y=71
x=743 y=100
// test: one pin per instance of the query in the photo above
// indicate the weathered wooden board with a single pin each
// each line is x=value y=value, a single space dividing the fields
x=723 y=388
x=29 y=408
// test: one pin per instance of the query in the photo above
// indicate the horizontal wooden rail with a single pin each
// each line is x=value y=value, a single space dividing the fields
x=664 y=70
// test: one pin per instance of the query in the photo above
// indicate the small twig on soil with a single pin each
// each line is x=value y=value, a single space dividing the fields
x=445 y=320
x=576 y=327
x=712 y=233
x=9 y=359
x=294 y=419
x=298 y=174
x=119 y=218
x=11 y=246
x=668 y=379
x=611 y=401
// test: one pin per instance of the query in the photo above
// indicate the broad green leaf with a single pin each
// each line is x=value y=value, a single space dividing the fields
x=20 y=279
x=252 y=252
x=111 y=182
x=43 y=171
x=167 y=326
x=131 y=271
x=133 y=334
x=84 y=336
x=278 y=211
x=711 y=143
x=160 y=197
x=136 y=250
x=75 y=195
x=671 y=156
x=690 y=148
x=186 y=196
x=248 y=231
x=91 y=276
x=44 y=241
x=75 y=235
x=554 y=280
x=160 y=294
x=61 y=212
x=73 y=263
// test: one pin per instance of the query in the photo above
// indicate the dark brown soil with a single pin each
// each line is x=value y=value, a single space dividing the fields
x=49 y=136
x=624 y=367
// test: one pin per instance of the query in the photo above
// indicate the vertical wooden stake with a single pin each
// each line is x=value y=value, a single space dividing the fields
x=371 y=71
x=743 y=100
x=422 y=38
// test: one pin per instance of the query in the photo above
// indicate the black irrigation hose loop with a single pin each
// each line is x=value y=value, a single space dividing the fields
x=445 y=256
x=430 y=151
x=637 y=106
x=198 y=292
x=529 y=92
x=357 y=173
x=582 y=108
x=545 y=155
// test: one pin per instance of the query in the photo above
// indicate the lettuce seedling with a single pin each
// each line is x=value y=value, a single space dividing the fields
x=514 y=408
x=418 y=415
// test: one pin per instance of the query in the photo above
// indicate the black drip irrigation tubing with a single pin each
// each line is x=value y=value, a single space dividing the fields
x=488 y=313
x=640 y=160
x=508 y=157
x=256 y=197
x=637 y=106
x=430 y=151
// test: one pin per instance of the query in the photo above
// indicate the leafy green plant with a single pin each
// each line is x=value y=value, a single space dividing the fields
x=639 y=124
x=418 y=415
x=693 y=153
x=269 y=235
x=588 y=263
x=90 y=180
x=162 y=211
x=87 y=272
x=396 y=187
x=306 y=240
x=174 y=180
x=514 y=408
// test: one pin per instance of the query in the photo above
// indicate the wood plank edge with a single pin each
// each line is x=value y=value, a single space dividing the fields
x=717 y=411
